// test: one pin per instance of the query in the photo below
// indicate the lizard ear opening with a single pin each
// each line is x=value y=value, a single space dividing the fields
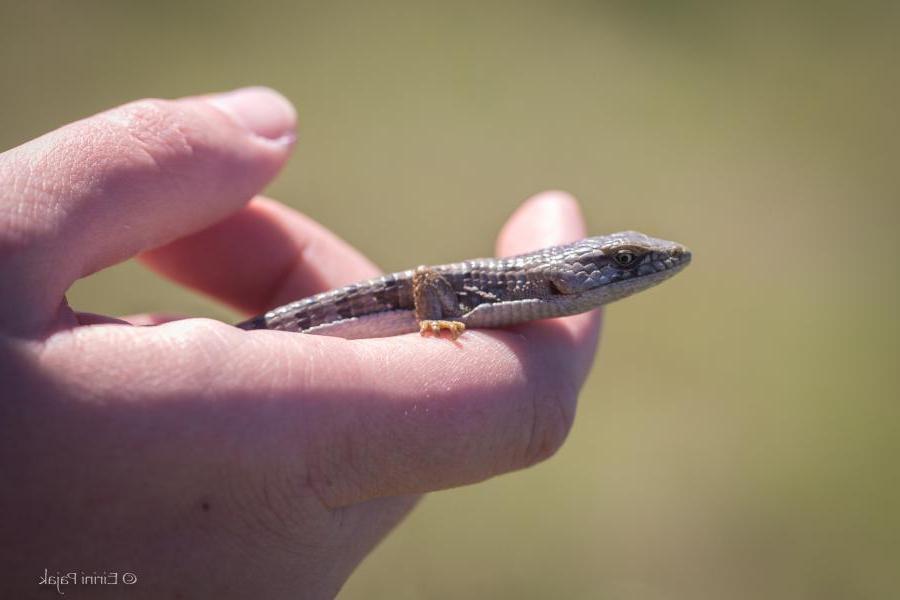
x=554 y=289
x=562 y=282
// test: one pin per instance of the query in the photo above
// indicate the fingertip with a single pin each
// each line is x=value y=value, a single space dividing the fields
x=551 y=197
x=546 y=219
x=260 y=110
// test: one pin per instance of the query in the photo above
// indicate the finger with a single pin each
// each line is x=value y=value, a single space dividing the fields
x=348 y=420
x=262 y=256
x=100 y=190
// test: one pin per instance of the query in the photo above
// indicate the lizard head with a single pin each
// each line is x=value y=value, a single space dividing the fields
x=611 y=267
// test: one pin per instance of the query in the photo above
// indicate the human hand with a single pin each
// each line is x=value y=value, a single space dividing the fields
x=208 y=460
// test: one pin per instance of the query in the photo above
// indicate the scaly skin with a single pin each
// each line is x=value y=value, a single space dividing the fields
x=486 y=292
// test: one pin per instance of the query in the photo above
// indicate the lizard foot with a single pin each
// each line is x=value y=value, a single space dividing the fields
x=454 y=327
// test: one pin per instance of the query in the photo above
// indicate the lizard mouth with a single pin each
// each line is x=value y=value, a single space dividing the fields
x=653 y=273
x=673 y=260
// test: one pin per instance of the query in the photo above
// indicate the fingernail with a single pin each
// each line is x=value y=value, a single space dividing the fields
x=260 y=110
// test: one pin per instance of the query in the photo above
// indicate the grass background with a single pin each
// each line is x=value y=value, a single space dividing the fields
x=738 y=435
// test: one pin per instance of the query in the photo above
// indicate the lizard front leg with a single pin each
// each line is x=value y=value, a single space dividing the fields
x=436 y=303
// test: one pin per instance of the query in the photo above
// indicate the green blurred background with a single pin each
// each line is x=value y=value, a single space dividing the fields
x=738 y=436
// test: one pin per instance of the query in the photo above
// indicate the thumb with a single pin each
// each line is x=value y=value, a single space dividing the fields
x=100 y=190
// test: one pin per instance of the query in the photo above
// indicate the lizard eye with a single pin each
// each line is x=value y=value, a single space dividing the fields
x=625 y=258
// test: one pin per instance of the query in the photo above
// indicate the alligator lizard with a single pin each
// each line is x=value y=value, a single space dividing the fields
x=486 y=292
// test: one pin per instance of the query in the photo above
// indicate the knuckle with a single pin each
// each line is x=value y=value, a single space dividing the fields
x=21 y=206
x=46 y=180
x=552 y=415
x=158 y=130
x=335 y=475
x=267 y=510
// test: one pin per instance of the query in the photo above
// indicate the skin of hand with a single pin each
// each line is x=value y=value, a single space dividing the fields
x=211 y=461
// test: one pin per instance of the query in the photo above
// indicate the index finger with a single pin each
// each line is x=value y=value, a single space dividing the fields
x=95 y=192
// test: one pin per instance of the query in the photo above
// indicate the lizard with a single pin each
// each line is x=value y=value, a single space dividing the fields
x=485 y=292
